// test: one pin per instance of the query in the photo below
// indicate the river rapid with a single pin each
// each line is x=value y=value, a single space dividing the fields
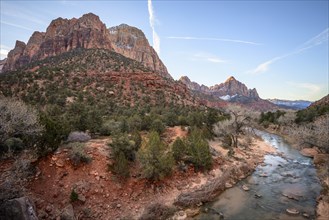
x=288 y=181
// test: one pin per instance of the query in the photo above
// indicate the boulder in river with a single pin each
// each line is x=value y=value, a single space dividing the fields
x=263 y=175
x=245 y=188
x=258 y=195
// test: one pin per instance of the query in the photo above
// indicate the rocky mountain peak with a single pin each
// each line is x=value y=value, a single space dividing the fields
x=231 y=78
x=88 y=31
x=131 y=42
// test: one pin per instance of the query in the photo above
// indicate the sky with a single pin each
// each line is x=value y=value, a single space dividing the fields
x=278 y=47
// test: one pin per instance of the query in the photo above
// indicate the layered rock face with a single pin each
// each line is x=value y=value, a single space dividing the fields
x=63 y=35
x=232 y=87
x=132 y=43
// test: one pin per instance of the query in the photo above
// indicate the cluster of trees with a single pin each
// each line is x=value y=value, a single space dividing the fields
x=311 y=113
x=157 y=159
x=270 y=117
x=305 y=128
x=24 y=127
x=194 y=150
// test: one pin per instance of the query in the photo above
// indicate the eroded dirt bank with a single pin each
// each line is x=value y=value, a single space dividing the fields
x=101 y=195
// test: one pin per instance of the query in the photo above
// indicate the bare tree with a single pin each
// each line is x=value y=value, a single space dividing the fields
x=17 y=120
x=288 y=118
x=312 y=134
x=231 y=129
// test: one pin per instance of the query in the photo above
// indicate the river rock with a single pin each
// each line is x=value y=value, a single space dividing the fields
x=245 y=188
x=292 y=211
x=258 y=195
x=263 y=175
x=309 y=152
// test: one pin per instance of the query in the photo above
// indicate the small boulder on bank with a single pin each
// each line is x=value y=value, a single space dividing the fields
x=309 y=152
x=21 y=208
x=68 y=213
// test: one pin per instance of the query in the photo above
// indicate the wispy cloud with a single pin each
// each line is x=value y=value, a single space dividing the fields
x=308 y=91
x=208 y=57
x=156 y=38
x=312 y=88
x=313 y=42
x=17 y=11
x=16 y=25
x=215 y=39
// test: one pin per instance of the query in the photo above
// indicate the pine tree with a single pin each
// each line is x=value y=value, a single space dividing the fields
x=156 y=161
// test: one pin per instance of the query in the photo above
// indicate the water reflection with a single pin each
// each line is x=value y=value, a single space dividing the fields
x=290 y=182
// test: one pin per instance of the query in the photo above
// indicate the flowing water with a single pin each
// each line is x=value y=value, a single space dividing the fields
x=291 y=182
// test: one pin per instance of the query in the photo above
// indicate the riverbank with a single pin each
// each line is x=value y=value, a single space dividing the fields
x=321 y=162
x=230 y=171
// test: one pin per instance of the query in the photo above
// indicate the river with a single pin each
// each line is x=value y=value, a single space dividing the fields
x=282 y=182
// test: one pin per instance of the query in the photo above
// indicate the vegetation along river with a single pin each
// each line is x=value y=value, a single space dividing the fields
x=283 y=182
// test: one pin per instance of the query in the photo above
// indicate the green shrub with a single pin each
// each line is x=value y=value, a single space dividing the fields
x=158 y=126
x=110 y=127
x=120 y=166
x=155 y=160
x=74 y=196
x=78 y=155
x=122 y=143
x=55 y=131
x=179 y=149
x=198 y=151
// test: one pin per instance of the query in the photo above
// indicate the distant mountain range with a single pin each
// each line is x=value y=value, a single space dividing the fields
x=295 y=105
x=231 y=91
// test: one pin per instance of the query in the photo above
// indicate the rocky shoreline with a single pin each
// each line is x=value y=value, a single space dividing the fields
x=321 y=162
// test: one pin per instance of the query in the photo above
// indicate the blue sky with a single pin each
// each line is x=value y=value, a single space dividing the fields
x=278 y=47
